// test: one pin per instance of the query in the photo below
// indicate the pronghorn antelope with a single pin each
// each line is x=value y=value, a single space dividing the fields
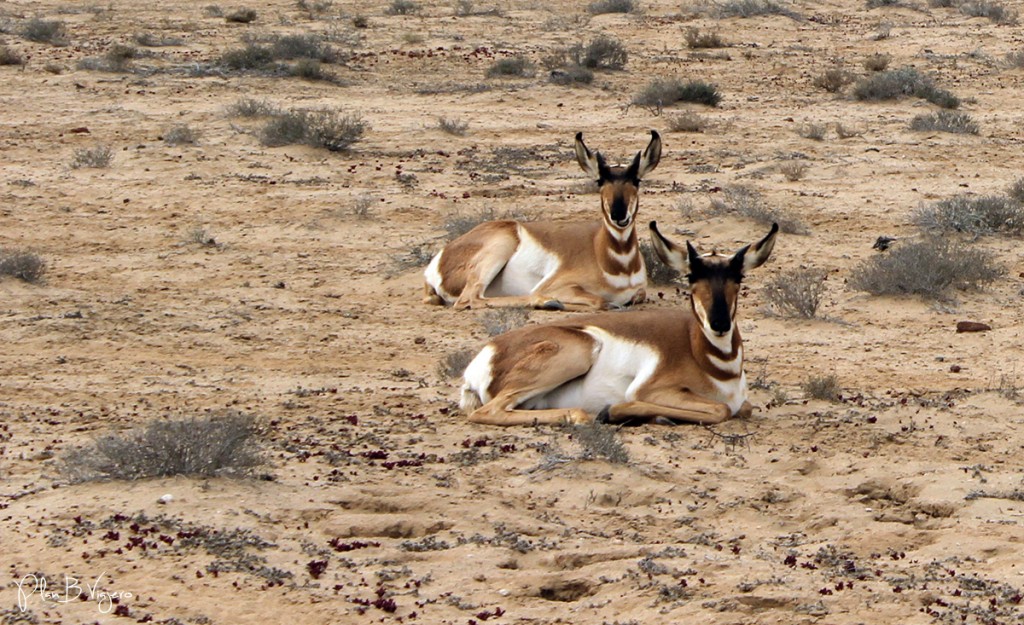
x=664 y=366
x=553 y=265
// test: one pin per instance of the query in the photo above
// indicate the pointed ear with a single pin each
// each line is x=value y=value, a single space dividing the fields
x=756 y=254
x=650 y=157
x=668 y=252
x=589 y=161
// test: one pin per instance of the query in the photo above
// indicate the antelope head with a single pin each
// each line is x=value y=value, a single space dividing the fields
x=619 y=186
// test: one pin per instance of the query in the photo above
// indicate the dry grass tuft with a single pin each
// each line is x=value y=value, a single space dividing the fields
x=97 y=157
x=598 y=440
x=662 y=92
x=796 y=293
x=824 y=387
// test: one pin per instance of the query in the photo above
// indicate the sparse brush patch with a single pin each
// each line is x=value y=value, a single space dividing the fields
x=603 y=52
x=452 y=125
x=598 y=440
x=753 y=8
x=362 y=207
x=311 y=69
x=241 y=16
x=21 y=264
x=697 y=40
x=991 y=10
x=10 y=57
x=1015 y=59
x=600 y=7
x=662 y=92
x=571 y=75
x=749 y=203
x=874 y=4
x=315 y=9
x=252 y=56
x=200 y=447
x=793 y=170
x=251 y=107
x=180 y=134
x=1016 y=190
x=877 y=62
x=796 y=293
x=657 y=271
x=149 y=40
x=453 y=364
x=945 y=121
x=815 y=132
x=200 y=236
x=402 y=7
x=900 y=83
x=824 y=387
x=118 y=58
x=928 y=268
x=213 y=10
x=45 y=31
x=833 y=80
x=288 y=47
x=96 y=157
x=330 y=129
x=413 y=38
x=514 y=66
x=974 y=215
x=360 y=21
x=847 y=132
x=687 y=121
x=939 y=4
x=501 y=320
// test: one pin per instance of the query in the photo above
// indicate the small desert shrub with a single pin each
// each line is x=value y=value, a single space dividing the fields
x=874 y=4
x=241 y=16
x=752 y=8
x=687 y=121
x=598 y=440
x=201 y=447
x=22 y=265
x=402 y=7
x=10 y=57
x=991 y=10
x=501 y=320
x=793 y=170
x=310 y=69
x=1015 y=59
x=45 y=31
x=945 y=121
x=815 y=132
x=252 y=56
x=116 y=59
x=362 y=207
x=877 y=62
x=360 y=21
x=452 y=125
x=288 y=47
x=180 y=134
x=512 y=66
x=213 y=10
x=662 y=92
x=600 y=7
x=149 y=40
x=571 y=75
x=847 y=132
x=657 y=271
x=695 y=39
x=749 y=203
x=824 y=387
x=939 y=4
x=975 y=215
x=329 y=129
x=1016 y=190
x=251 y=107
x=928 y=268
x=453 y=364
x=200 y=236
x=833 y=80
x=796 y=293
x=903 y=82
x=603 y=52
x=96 y=157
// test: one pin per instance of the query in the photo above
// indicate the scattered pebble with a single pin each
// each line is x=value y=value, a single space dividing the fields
x=972 y=326
x=165 y=499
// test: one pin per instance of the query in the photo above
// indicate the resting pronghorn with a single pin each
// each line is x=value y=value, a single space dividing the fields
x=554 y=265
x=675 y=365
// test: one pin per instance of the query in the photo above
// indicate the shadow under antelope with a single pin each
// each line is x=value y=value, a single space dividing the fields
x=553 y=265
x=663 y=366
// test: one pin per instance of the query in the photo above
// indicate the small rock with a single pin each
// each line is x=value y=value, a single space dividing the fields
x=954 y=368
x=972 y=326
x=165 y=499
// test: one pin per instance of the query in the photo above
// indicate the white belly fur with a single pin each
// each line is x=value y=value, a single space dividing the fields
x=620 y=368
x=529 y=266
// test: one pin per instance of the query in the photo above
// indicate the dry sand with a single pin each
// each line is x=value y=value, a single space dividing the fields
x=898 y=504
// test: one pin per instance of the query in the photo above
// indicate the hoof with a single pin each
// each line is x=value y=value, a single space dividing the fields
x=604 y=416
x=664 y=421
x=552 y=304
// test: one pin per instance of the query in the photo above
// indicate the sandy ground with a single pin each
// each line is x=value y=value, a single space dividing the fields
x=899 y=503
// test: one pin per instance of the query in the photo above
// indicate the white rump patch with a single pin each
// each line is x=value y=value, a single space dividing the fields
x=477 y=379
x=432 y=275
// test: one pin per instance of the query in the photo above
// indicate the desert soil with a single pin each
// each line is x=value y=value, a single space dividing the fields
x=285 y=283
